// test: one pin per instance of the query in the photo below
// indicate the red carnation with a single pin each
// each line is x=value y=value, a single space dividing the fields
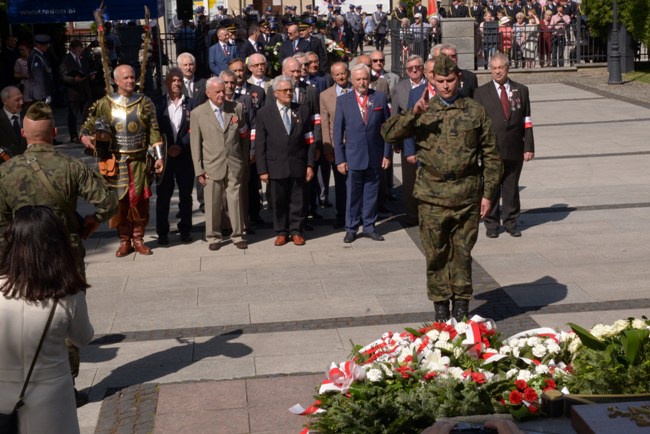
x=515 y=397
x=532 y=409
x=521 y=384
x=530 y=395
x=430 y=375
x=550 y=384
x=478 y=377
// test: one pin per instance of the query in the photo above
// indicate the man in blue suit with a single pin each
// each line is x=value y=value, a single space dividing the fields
x=360 y=152
x=221 y=53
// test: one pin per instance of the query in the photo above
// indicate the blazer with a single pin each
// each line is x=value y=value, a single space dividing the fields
x=198 y=91
x=181 y=139
x=218 y=60
x=245 y=49
x=327 y=112
x=363 y=146
x=414 y=95
x=279 y=154
x=77 y=90
x=216 y=150
x=345 y=38
x=468 y=83
x=286 y=49
x=266 y=83
x=400 y=96
x=258 y=94
x=514 y=135
x=8 y=139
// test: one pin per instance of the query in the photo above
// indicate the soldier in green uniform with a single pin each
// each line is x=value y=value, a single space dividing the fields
x=43 y=176
x=459 y=170
x=133 y=125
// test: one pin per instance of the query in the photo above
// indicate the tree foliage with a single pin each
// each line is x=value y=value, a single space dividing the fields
x=633 y=14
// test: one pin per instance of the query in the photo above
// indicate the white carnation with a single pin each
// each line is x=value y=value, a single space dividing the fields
x=443 y=337
x=524 y=375
x=461 y=327
x=457 y=373
x=511 y=373
x=600 y=331
x=638 y=324
x=541 y=369
x=620 y=325
x=515 y=351
x=374 y=375
x=458 y=352
x=433 y=334
x=387 y=370
x=574 y=346
x=532 y=341
x=552 y=347
x=505 y=350
x=539 y=351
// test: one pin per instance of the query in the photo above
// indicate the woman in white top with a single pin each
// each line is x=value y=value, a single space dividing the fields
x=36 y=268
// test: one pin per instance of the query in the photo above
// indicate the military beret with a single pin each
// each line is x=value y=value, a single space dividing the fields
x=40 y=111
x=444 y=65
x=42 y=39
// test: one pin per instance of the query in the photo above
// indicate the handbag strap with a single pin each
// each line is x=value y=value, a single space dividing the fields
x=38 y=350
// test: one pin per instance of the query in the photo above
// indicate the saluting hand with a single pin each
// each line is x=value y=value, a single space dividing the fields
x=423 y=103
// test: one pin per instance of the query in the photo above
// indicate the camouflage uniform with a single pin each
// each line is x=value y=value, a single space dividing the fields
x=20 y=186
x=458 y=164
x=133 y=126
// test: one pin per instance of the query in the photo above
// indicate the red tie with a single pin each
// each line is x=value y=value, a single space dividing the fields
x=505 y=104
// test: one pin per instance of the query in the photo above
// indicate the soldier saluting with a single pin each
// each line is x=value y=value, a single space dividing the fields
x=131 y=119
x=453 y=134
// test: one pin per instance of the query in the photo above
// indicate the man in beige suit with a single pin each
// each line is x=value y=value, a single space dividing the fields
x=257 y=66
x=341 y=75
x=218 y=128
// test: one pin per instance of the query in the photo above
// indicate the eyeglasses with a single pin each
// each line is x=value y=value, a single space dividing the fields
x=228 y=82
x=290 y=90
x=257 y=65
x=377 y=60
x=414 y=68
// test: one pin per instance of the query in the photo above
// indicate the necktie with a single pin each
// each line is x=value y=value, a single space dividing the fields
x=286 y=120
x=188 y=86
x=260 y=83
x=220 y=117
x=16 y=126
x=225 y=49
x=78 y=61
x=505 y=104
x=295 y=45
x=344 y=91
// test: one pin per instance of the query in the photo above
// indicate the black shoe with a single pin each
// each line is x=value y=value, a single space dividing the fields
x=81 y=398
x=349 y=237
x=441 y=310
x=374 y=236
x=186 y=237
x=491 y=234
x=163 y=239
x=514 y=232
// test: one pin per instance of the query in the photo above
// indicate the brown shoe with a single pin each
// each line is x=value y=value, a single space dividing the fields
x=281 y=240
x=140 y=247
x=241 y=245
x=298 y=240
x=214 y=246
x=125 y=248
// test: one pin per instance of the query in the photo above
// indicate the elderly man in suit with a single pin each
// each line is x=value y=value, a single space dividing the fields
x=341 y=76
x=11 y=139
x=360 y=152
x=293 y=44
x=414 y=69
x=257 y=64
x=222 y=52
x=173 y=114
x=76 y=75
x=378 y=71
x=508 y=105
x=193 y=90
x=468 y=80
x=285 y=152
x=218 y=128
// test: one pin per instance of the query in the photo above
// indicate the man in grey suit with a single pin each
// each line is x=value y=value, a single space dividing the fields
x=377 y=70
x=401 y=91
x=11 y=141
x=218 y=128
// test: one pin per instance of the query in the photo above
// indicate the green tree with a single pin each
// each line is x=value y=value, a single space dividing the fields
x=634 y=14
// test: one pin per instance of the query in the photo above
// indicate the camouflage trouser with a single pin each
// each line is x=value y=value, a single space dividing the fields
x=448 y=236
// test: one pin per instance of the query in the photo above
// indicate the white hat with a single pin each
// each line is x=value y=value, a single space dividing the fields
x=504 y=20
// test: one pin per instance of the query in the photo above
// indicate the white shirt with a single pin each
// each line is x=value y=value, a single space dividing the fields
x=175 y=112
x=189 y=85
x=507 y=86
x=214 y=109
x=281 y=107
x=10 y=115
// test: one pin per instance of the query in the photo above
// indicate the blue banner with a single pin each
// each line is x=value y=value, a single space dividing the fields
x=61 y=11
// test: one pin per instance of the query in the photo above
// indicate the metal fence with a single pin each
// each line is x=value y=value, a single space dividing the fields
x=526 y=46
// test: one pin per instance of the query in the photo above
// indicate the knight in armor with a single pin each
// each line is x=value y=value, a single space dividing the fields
x=128 y=168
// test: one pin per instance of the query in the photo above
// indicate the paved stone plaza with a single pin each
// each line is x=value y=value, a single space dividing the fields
x=194 y=341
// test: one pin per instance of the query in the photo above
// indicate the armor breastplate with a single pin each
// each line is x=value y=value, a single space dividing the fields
x=130 y=133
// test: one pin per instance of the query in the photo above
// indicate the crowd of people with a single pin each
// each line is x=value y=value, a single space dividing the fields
x=238 y=126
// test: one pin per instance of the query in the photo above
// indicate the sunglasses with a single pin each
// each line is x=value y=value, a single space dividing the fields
x=414 y=68
x=377 y=60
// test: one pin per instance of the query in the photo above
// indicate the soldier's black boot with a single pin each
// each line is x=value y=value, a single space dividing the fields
x=460 y=309
x=441 y=310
